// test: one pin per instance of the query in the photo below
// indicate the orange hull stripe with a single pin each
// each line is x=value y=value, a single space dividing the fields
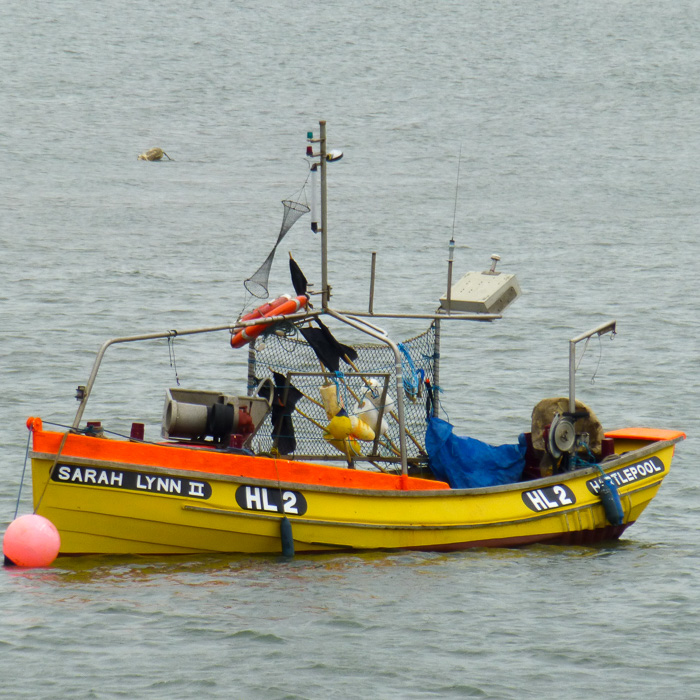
x=214 y=462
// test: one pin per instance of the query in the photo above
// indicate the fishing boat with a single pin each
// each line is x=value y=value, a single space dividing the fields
x=338 y=446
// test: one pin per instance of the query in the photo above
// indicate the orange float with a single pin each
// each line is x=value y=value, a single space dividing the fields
x=32 y=541
x=279 y=307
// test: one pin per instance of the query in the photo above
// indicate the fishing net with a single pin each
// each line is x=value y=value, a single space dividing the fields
x=293 y=358
x=257 y=283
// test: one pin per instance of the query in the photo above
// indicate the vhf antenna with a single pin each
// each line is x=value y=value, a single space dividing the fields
x=450 y=258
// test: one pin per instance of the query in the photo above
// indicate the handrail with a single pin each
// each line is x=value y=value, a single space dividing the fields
x=351 y=318
x=87 y=390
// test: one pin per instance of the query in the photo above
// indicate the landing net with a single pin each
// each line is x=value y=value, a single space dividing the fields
x=257 y=283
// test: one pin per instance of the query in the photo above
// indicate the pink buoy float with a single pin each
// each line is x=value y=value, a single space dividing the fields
x=31 y=541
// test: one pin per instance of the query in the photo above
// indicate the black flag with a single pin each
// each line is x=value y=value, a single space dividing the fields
x=298 y=279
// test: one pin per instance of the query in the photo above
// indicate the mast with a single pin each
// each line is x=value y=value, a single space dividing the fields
x=325 y=291
x=324 y=157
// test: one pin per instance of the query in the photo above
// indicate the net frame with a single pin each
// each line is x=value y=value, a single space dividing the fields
x=292 y=357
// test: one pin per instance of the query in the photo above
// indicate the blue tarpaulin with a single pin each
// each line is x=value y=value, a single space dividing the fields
x=467 y=463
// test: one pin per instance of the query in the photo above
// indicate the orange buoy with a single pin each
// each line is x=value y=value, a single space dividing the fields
x=261 y=311
x=31 y=541
x=280 y=307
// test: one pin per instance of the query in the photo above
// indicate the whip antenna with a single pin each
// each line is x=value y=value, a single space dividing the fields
x=454 y=214
x=450 y=257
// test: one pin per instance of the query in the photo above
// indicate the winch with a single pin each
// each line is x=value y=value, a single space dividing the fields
x=194 y=415
x=558 y=433
x=562 y=441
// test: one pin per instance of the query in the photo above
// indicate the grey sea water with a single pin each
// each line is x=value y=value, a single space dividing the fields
x=575 y=128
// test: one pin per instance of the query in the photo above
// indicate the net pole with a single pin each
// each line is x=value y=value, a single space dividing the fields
x=325 y=292
x=436 y=370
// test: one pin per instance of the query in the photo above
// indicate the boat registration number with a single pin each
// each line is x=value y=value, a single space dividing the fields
x=549 y=497
x=271 y=500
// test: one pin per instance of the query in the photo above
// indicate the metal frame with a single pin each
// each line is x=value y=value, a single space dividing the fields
x=608 y=327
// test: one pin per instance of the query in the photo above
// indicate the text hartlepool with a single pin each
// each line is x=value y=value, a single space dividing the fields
x=630 y=474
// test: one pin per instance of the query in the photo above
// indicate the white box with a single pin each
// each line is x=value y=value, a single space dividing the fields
x=482 y=292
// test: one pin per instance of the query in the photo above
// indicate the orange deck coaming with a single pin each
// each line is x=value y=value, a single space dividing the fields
x=645 y=434
x=136 y=454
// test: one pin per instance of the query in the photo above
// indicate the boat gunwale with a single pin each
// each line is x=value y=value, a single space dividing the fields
x=612 y=463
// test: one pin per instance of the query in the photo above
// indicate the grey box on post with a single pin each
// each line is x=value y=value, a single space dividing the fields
x=482 y=292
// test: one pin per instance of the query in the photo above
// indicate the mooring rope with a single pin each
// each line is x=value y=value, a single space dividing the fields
x=53 y=466
x=24 y=469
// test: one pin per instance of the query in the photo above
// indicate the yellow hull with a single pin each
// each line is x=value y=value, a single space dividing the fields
x=105 y=500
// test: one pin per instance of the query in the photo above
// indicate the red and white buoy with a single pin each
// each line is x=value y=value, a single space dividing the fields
x=31 y=541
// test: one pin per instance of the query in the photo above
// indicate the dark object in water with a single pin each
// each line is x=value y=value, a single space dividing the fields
x=153 y=154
